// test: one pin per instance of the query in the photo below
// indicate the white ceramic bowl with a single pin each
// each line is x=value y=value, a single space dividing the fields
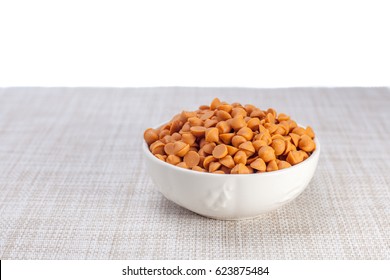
x=230 y=196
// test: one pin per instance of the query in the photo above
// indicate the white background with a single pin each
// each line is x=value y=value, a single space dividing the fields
x=194 y=43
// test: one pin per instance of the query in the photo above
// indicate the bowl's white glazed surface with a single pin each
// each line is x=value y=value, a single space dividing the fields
x=230 y=196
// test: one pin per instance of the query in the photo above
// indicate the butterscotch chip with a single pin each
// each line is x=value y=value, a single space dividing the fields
x=306 y=144
x=220 y=151
x=212 y=135
x=198 y=168
x=257 y=113
x=223 y=115
x=180 y=148
x=271 y=127
x=198 y=131
x=270 y=118
x=227 y=161
x=295 y=138
x=207 y=160
x=240 y=157
x=175 y=126
x=283 y=164
x=150 y=135
x=195 y=121
x=238 y=111
x=161 y=157
x=259 y=164
x=188 y=138
x=215 y=103
x=172 y=159
x=272 y=166
x=279 y=146
x=294 y=157
x=223 y=127
x=210 y=123
x=182 y=165
x=257 y=144
x=207 y=115
x=225 y=107
x=219 y=172
x=214 y=166
x=191 y=159
x=246 y=132
x=237 y=122
x=240 y=169
x=225 y=169
x=202 y=153
x=209 y=147
x=237 y=140
x=283 y=117
x=253 y=123
x=231 y=150
x=299 y=130
x=267 y=154
x=169 y=148
x=248 y=148
x=310 y=132
x=226 y=137
x=251 y=159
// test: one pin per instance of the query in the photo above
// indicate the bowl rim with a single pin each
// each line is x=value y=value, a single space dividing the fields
x=149 y=154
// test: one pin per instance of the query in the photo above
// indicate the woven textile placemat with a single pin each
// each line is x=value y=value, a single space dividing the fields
x=73 y=184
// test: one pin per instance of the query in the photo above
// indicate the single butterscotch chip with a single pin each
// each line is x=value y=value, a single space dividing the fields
x=257 y=113
x=180 y=148
x=223 y=115
x=198 y=131
x=214 y=166
x=212 y=134
x=310 y=132
x=240 y=157
x=198 y=168
x=237 y=140
x=209 y=147
x=253 y=123
x=246 y=132
x=248 y=148
x=210 y=123
x=206 y=115
x=283 y=164
x=267 y=154
x=161 y=157
x=227 y=161
x=182 y=165
x=240 y=169
x=259 y=165
x=188 y=138
x=220 y=151
x=195 y=121
x=191 y=159
x=231 y=150
x=306 y=143
x=299 y=130
x=172 y=159
x=231 y=139
x=238 y=111
x=294 y=157
x=272 y=166
x=279 y=146
x=223 y=127
x=283 y=117
x=150 y=135
x=295 y=138
x=226 y=137
x=169 y=148
x=237 y=122
x=215 y=103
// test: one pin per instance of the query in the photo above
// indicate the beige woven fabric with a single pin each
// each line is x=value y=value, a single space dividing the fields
x=73 y=184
